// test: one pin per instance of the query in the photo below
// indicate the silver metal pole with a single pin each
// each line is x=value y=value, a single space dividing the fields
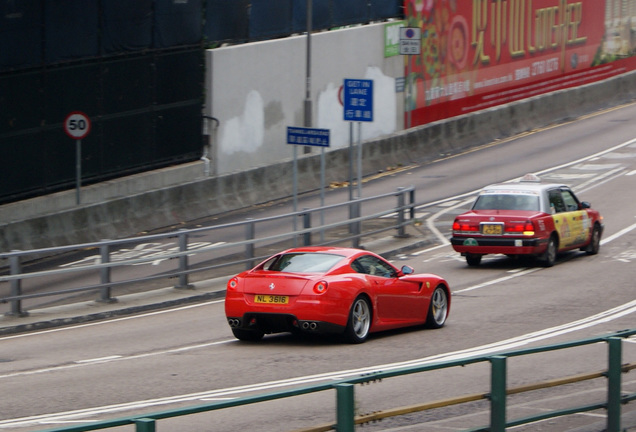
x=350 y=161
x=295 y=191
x=308 y=107
x=409 y=90
x=359 y=159
x=78 y=169
x=322 y=193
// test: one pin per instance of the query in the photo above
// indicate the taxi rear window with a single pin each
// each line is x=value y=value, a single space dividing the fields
x=507 y=202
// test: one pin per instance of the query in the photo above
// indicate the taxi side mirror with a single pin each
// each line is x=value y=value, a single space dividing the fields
x=586 y=205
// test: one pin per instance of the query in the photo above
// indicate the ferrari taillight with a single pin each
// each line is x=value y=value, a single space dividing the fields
x=320 y=287
x=232 y=283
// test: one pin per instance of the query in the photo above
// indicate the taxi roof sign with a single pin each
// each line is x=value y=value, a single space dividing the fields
x=533 y=178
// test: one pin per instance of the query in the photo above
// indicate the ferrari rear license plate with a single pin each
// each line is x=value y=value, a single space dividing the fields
x=271 y=299
x=492 y=229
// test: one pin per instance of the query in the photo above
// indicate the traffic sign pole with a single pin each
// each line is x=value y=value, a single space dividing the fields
x=77 y=125
x=410 y=44
x=78 y=170
x=358 y=106
x=308 y=137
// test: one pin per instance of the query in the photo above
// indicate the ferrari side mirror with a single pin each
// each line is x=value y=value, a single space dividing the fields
x=407 y=270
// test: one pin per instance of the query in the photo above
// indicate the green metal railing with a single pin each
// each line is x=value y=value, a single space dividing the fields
x=344 y=389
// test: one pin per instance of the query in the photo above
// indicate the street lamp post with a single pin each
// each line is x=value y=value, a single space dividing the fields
x=308 y=74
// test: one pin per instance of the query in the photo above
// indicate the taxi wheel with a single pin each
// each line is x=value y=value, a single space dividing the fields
x=549 y=256
x=473 y=259
x=595 y=242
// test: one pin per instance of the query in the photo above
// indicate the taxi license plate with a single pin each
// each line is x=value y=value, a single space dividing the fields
x=492 y=229
x=271 y=299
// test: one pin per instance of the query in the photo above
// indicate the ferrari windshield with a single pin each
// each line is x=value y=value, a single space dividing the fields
x=303 y=262
x=504 y=201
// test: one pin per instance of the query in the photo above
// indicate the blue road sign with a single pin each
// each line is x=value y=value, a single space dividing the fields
x=358 y=100
x=308 y=136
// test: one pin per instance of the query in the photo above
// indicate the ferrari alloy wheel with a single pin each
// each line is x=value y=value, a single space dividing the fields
x=247 y=335
x=359 y=322
x=549 y=256
x=438 y=308
x=595 y=241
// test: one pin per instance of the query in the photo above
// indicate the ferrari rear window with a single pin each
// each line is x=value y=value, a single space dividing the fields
x=507 y=202
x=303 y=262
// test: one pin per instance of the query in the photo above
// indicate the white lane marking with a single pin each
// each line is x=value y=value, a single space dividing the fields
x=618 y=234
x=501 y=279
x=599 y=180
x=96 y=323
x=99 y=360
x=449 y=203
x=428 y=250
x=595 y=167
x=114 y=358
x=515 y=342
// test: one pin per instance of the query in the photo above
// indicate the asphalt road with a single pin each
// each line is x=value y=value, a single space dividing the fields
x=186 y=355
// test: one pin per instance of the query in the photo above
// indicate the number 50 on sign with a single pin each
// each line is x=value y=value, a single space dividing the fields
x=77 y=125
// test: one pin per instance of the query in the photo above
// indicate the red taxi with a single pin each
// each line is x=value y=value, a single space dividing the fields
x=527 y=218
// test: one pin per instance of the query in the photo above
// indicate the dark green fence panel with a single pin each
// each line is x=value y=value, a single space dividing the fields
x=127 y=142
x=20 y=33
x=71 y=30
x=22 y=167
x=351 y=12
x=179 y=134
x=20 y=105
x=58 y=158
x=70 y=88
x=127 y=25
x=321 y=12
x=177 y=23
x=179 y=77
x=226 y=20
x=145 y=111
x=127 y=85
x=270 y=18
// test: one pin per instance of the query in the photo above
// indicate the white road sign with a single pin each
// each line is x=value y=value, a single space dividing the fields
x=77 y=125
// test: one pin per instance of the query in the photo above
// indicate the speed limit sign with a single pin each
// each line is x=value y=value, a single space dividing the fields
x=77 y=125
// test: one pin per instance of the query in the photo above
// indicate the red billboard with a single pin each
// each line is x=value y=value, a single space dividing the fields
x=477 y=54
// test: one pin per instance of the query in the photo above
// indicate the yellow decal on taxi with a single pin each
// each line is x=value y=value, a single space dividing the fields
x=572 y=226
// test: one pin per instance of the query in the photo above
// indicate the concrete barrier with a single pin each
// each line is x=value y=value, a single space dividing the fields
x=130 y=205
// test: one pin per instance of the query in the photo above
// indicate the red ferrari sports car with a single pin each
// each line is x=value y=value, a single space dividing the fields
x=332 y=290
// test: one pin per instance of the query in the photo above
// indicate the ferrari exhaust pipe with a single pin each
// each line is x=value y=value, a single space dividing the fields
x=309 y=325
x=234 y=322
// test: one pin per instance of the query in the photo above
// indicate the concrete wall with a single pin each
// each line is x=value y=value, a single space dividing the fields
x=257 y=90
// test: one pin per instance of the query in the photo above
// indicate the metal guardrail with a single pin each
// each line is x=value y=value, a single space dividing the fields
x=346 y=419
x=404 y=210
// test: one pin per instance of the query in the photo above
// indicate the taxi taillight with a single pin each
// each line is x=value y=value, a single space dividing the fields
x=465 y=226
x=525 y=228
